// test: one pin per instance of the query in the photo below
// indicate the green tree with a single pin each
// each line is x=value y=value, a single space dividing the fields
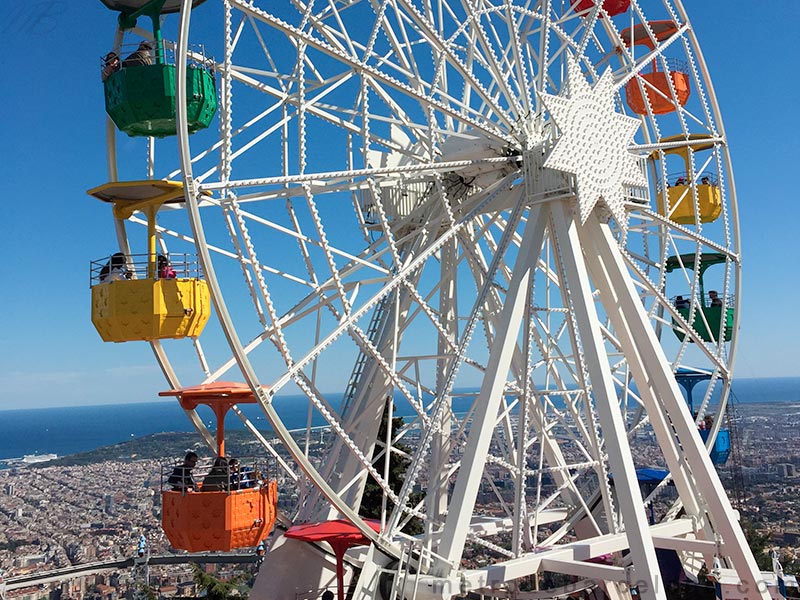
x=216 y=589
x=93 y=592
x=759 y=544
x=373 y=494
x=142 y=591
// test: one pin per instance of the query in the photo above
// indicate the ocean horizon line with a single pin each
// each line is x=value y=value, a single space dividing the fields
x=166 y=401
x=67 y=430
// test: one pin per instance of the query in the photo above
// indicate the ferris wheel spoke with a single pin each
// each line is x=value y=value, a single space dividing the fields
x=509 y=76
x=653 y=147
x=347 y=322
x=353 y=265
x=375 y=73
x=233 y=43
x=519 y=60
x=444 y=50
x=438 y=407
x=214 y=249
x=551 y=347
x=341 y=31
x=682 y=232
x=369 y=348
x=318 y=108
x=346 y=443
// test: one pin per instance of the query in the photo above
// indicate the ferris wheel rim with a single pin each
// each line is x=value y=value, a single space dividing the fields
x=189 y=184
x=731 y=187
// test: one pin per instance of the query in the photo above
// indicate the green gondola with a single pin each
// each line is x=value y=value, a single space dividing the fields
x=140 y=98
x=713 y=316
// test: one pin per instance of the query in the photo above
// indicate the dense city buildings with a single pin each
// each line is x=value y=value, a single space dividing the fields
x=53 y=517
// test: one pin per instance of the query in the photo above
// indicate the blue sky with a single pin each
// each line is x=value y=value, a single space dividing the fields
x=53 y=150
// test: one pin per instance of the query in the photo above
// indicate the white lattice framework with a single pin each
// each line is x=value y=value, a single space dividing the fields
x=451 y=204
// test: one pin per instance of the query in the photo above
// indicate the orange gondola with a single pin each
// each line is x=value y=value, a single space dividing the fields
x=227 y=518
x=656 y=87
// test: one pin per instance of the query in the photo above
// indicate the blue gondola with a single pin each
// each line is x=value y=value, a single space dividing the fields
x=687 y=379
x=722 y=445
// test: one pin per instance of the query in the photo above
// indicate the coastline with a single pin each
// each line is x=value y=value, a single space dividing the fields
x=65 y=431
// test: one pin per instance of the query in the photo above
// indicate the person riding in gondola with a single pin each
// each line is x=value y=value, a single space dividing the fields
x=218 y=478
x=181 y=478
x=116 y=269
x=111 y=65
x=681 y=302
x=165 y=270
x=141 y=57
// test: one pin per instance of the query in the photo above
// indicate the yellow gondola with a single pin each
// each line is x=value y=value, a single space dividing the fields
x=140 y=302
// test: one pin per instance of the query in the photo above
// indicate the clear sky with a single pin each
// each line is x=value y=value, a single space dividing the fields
x=52 y=123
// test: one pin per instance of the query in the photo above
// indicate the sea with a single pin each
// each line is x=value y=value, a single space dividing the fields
x=70 y=430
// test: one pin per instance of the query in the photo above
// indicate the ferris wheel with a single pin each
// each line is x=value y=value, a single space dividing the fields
x=498 y=219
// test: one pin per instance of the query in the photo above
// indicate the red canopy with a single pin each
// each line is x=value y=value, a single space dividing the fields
x=340 y=534
x=336 y=532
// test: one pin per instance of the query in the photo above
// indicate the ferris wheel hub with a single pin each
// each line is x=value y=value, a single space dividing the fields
x=477 y=147
x=594 y=142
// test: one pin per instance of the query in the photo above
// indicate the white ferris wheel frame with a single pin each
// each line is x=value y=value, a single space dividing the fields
x=701 y=484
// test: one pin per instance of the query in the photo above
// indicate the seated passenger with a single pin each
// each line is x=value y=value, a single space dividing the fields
x=681 y=302
x=236 y=474
x=249 y=478
x=705 y=181
x=242 y=478
x=714 y=298
x=165 y=270
x=116 y=269
x=110 y=65
x=141 y=57
x=218 y=478
x=181 y=478
x=680 y=181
